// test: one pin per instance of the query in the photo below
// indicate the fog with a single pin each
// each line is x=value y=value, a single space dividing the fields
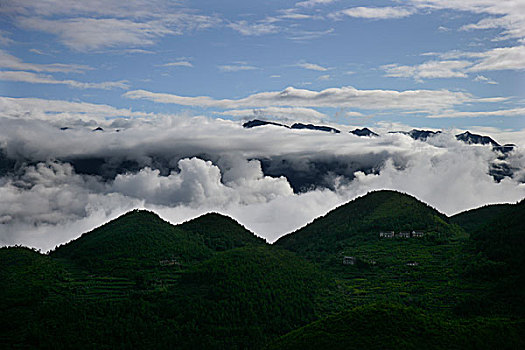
x=58 y=183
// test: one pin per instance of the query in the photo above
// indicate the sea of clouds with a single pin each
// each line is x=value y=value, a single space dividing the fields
x=56 y=184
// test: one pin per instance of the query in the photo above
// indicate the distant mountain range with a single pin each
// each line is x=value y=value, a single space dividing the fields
x=416 y=134
x=304 y=170
x=298 y=126
x=140 y=282
x=498 y=169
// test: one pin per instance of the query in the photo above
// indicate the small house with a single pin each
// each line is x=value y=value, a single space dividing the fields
x=412 y=263
x=169 y=262
x=404 y=235
x=349 y=260
x=417 y=234
x=387 y=234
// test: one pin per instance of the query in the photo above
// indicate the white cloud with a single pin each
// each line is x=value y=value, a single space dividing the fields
x=105 y=24
x=294 y=16
x=178 y=64
x=254 y=29
x=60 y=112
x=116 y=8
x=507 y=14
x=374 y=12
x=452 y=181
x=28 y=77
x=85 y=34
x=64 y=204
x=141 y=51
x=293 y=114
x=324 y=77
x=483 y=79
x=513 y=112
x=503 y=58
x=353 y=114
x=4 y=38
x=304 y=35
x=429 y=70
x=312 y=66
x=410 y=100
x=11 y=62
x=313 y=3
x=200 y=183
x=167 y=178
x=236 y=67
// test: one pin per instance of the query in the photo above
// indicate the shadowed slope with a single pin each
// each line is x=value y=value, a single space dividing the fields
x=141 y=239
x=363 y=219
x=397 y=327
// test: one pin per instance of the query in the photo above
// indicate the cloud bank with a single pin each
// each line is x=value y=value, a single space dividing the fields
x=56 y=184
x=347 y=96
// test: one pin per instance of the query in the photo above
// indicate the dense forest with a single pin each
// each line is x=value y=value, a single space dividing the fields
x=139 y=282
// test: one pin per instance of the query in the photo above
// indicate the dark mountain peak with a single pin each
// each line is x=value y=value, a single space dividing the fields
x=471 y=138
x=363 y=132
x=136 y=220
x=416 y=134
x=141 y=214
x=506 y=148
x=298 y=126
x=220 y=229
x=140 y=238
x=98 y=129
x=211 y=217
x=363 y=218
x=382 y=196
x=422 y=134
x=257 y=122
x=64 y=128
x=315 y=127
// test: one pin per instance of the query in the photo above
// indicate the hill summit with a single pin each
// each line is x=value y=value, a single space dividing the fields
x=140 y=238
x=364 y=218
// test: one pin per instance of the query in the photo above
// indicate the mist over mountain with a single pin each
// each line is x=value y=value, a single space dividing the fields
x=363 y=132
x=68 y=181
x=310 y=174
x=422 y=135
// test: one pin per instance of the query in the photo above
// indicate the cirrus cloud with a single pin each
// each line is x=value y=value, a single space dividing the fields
x=348 y=96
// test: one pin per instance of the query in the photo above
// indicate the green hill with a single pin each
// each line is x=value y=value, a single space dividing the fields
x=140 y=282
x=498 y=258
x=245 y=297
x=142 y=240
x=27 y=279
x=473 y=219
x=220 y=232
x=419 y=271
x=397 y=327
x=502 y=237
x=363 y=219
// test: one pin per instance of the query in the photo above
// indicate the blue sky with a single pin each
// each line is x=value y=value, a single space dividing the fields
x=450 y=61
x=170 y=83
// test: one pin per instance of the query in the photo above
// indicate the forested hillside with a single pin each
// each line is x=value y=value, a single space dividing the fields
x=384 y=271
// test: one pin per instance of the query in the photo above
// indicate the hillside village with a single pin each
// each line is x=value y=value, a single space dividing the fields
x=402 y=234
x=352 y=260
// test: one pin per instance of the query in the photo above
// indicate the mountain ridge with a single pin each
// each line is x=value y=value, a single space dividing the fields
x=141 y=282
